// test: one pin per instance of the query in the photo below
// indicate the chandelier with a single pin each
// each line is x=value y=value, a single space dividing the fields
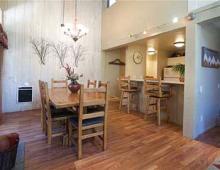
x=75 y=30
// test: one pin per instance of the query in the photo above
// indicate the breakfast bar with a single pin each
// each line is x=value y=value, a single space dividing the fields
x=174 y=104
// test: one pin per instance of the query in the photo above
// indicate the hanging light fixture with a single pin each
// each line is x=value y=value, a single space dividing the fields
x=75 y=30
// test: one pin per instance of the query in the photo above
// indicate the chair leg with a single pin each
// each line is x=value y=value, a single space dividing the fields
x=168 y=116
x=69 y=132
x=79 y=147
x=105 y=138
x=146 y=107
x=43 y=122
x=121 y=100
x=128 y=104
x=49 y=132
x=137 y=104
x=158 y=112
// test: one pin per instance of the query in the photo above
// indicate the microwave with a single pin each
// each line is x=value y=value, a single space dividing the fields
x=170 y=75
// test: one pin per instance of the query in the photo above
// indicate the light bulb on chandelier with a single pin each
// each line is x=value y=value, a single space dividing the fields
x=75 y=31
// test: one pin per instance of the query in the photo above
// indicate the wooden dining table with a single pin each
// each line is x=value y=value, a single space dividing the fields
x=63 y=98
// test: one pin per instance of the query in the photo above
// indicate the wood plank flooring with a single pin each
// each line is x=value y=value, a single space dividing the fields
x=133 y=144
x=211 y=137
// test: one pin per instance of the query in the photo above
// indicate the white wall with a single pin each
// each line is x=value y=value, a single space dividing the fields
x=132 y=69
x=131 y=17
x=196 y=4
x=112 y=72
x=208 y=106
x=26 y=19
x=1 y=16
x=151 y=65
x=191 y=126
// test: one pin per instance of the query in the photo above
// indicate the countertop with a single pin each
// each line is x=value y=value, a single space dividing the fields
x=162 y=81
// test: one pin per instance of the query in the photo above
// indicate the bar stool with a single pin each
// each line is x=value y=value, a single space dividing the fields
x=128 y=90
x=156 y=95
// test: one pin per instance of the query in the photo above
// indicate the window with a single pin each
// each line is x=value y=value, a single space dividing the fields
x=110 y=3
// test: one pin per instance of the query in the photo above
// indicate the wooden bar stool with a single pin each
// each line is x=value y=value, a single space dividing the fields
x=127 y=92
x=156 y=95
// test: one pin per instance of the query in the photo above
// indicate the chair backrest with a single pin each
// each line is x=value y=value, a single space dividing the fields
x=124 y=83
x=44 y=95
x=152 y=86
x=91 y=83
x=101 y=99
x=58 y=83
x=102 y=84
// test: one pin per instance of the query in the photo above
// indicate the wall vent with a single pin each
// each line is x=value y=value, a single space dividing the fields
x=24 y=94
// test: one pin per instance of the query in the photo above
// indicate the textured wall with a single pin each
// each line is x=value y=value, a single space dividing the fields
x=26 y=19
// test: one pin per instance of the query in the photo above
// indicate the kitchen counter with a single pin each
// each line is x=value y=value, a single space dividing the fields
x=162 y=81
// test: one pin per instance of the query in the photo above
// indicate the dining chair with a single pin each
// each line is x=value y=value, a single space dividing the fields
x=90 y=122
x=51 y=115
x=127 y=92
x=91 y=83
x=43 y=116
x=156 y=97
x=58 y=83
x=102 y=84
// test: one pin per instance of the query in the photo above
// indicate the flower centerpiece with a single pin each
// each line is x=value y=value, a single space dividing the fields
x=69 y=57
x=74 y=86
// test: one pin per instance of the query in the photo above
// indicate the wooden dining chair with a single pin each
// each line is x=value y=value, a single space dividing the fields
x=58 y=83
x=102 y=84
x=156 y=97
x=50 y=115
x=90 y=122
x=127 y=91
x=43 y=112
x=91 y=83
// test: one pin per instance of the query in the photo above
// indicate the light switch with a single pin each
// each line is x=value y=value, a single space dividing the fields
x=201 y=118
x=218 y=85
x=201 y=89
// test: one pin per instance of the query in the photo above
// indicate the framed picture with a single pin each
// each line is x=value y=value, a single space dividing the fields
x=210 y=58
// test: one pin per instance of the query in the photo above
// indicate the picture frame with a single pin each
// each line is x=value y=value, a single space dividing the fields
x=210 y=58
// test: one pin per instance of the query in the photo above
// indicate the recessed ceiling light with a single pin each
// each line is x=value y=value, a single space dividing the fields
x=175 y=20
x=144 y=32
x=151 y=51
x=179 y=44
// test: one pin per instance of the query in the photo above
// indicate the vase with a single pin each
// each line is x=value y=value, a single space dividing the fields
x=74 y=87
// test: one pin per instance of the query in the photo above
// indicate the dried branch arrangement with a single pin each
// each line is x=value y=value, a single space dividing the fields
x=41 y=48
x=60 y=50
x=77 y=54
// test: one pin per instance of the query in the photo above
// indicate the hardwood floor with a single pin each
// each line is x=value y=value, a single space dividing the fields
x=133 y=144
x=211 y=137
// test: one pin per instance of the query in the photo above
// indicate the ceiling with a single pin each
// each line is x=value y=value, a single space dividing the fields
x=216 y=23
x=164 y=41
x=213 y=22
